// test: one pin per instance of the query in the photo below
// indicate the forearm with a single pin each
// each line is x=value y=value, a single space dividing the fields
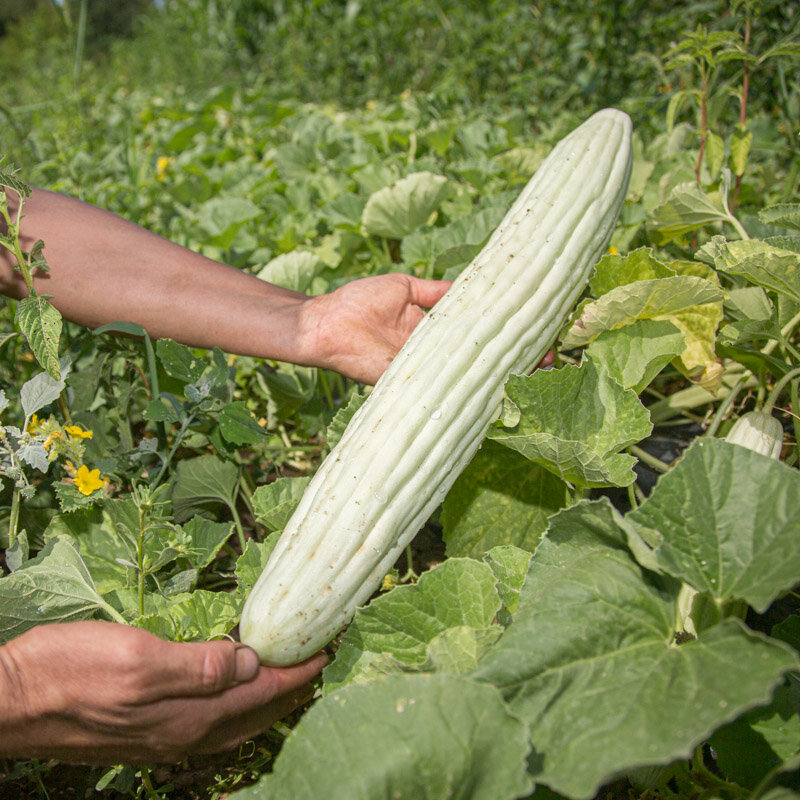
x=106 y=269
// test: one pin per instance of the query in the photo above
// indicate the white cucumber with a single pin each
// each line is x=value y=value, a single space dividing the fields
x=428 y=413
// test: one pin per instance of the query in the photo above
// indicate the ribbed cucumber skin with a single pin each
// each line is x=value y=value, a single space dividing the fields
x=758 y=431
x=428 y=413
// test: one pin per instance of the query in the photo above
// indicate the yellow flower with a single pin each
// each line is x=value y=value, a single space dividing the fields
x=34 y=425
x=48 y=442
x=77 y=432
x=87 y=480
x=162 y=162
x=613 y=251
x=69 y=468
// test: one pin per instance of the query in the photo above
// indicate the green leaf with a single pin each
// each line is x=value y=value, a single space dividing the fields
x=41 y=390
x=573 y=422
x=408 y=737
x=395 y=211
x=238 y=426
x=591 y=649
x=95 y=532
x=342 y=418
x=252 y=561
x=196 y=616
x=614 y=270
x=70 y=498
x=206 y=539
x=510 y=565
x=785 y=215
x=734 y=535
x=402 y=623
x=53 y=587
x=714 y=153
x=687 y=209
x=295 y=270
x=500 y=498
x=220 y=218
x=635 y=354
x=760 y=263
x=179 y=361
x=40 y=321
x=761 y=740
x=692 y=304
x=275 y=502
x=741 y=141
x=203 y=481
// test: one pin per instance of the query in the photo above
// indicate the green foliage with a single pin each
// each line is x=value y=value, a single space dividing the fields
x=645 y=649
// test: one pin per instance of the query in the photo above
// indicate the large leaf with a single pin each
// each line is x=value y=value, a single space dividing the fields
x=614 y=270
x=295 y=270
x=53 y=587
x=40 y=321
x=687 y=209
x=760 y=263
x=397 y=210
x=192 y=616
x=635 y=354
x=401 y=624
x=787 y=215
x=591 y=652
x=500 y=498
x=275 y=502
x=220 y=218
x=573 y=422
x=691 y=303
x=725 y=520
x=408 y=737
x=203 y=481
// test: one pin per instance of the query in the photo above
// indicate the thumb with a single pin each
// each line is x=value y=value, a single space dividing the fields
x=204 y=668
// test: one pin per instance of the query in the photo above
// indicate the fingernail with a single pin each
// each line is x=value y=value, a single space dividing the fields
x=246 y=663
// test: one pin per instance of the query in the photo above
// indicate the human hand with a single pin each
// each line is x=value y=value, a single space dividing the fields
x=103 y=693
x=358 y=328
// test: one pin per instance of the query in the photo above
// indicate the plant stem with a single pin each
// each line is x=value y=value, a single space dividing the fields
x=238 y=523
x=140 y=563
x=13 y=520
x=654 y=463
x=743 y=102
x=703 y=121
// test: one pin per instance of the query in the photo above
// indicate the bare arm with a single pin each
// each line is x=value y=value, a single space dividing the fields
x=106 y=269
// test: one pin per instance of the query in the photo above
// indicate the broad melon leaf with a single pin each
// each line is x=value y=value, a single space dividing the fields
x=574 y=421
x=275 y=502
x=203 y=481
x=725 y=520
x=295 y=270
x=614 y=270
x=692 y=304
x=403 y=622
x=786 y=215
x=687 y=209
x=635 y=354
x=397 y=210
x=762 y=739
x=760 y=263
x=591 y=650
x=408 y=737
x=220 y=218
x=501 y=498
